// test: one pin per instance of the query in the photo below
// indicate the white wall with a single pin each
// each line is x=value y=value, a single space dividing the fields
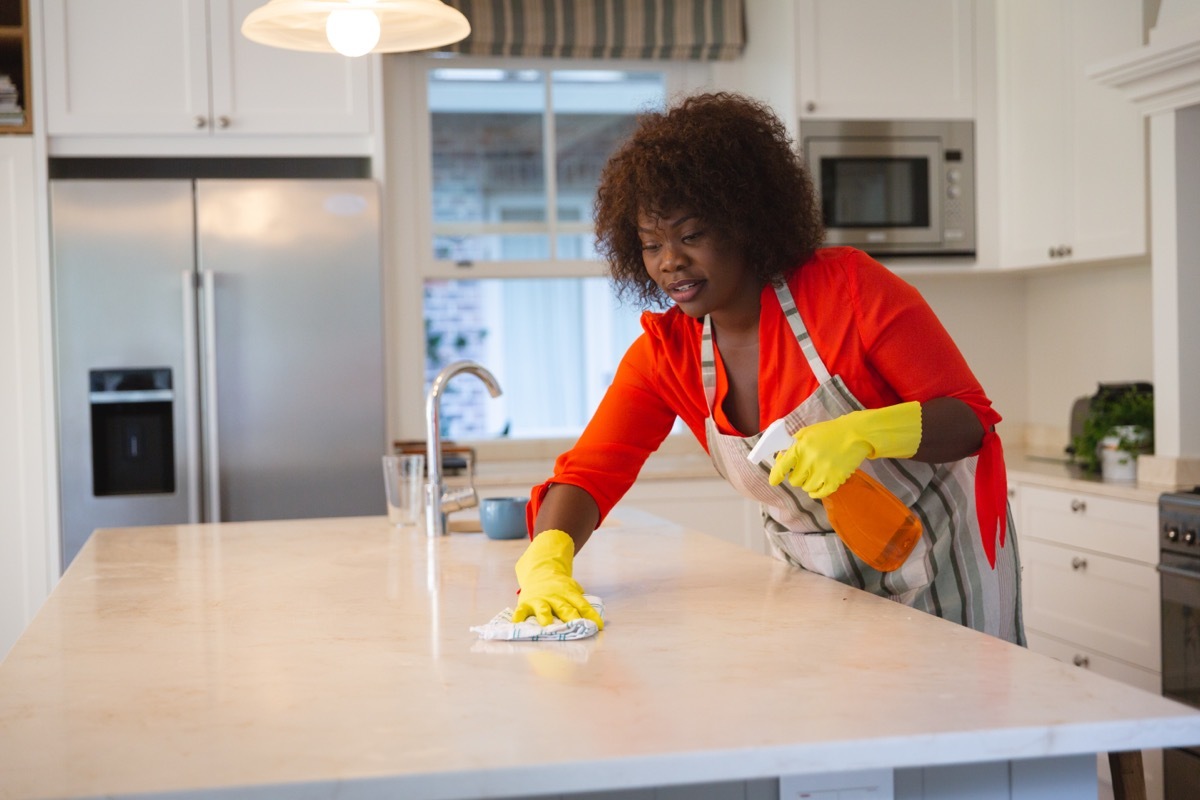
x=985 y=314
x=1084 y=326
x=1038 y=340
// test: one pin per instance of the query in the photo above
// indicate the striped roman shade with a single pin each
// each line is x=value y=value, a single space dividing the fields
x=697 y=30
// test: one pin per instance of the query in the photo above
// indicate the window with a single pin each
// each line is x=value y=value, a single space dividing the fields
x=511 y=278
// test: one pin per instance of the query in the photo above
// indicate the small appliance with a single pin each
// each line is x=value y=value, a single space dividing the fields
x=892 y=188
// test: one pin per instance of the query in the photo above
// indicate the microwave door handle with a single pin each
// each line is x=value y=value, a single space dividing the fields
x=212 y=457
x=191 y=409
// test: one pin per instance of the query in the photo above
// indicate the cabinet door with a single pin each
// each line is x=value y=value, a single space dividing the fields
x=1072 y=182
x=267 y=90
x=126 y=66
x=1033 y=130
x=1108 y=139
x=882 y=59
x=1108 y=605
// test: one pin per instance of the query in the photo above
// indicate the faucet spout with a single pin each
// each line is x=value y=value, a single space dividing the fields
x=438 y=501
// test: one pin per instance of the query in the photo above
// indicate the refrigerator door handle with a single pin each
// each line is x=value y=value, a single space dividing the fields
x=212 y=459
x=191 y=380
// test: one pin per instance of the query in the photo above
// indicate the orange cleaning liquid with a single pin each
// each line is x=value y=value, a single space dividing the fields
x=872 y=522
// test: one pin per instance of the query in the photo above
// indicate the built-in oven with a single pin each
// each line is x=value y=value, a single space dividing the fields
x=1179 y=567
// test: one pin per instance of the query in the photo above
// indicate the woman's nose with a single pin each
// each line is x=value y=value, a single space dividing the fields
x=672 y=258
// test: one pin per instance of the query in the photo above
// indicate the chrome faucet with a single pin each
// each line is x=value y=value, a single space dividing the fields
x=438 y=500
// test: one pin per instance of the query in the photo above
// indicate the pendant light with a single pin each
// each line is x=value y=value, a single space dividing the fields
x=356 y=27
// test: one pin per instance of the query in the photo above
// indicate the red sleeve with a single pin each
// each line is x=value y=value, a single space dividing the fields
x=639 y=409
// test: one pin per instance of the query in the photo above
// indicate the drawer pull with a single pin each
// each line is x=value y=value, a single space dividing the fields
x=1080 y=661
x=1078 y=506
x=1078 y=563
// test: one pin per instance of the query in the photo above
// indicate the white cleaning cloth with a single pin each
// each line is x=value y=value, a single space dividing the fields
x=502 y=627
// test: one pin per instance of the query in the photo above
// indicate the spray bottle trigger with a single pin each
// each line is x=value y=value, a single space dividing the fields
x=773 y=439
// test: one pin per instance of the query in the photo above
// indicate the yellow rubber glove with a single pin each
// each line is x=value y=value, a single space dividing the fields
x=826 y=454
x=547 y=588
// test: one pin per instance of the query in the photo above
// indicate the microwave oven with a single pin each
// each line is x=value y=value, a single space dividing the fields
x=892 y=188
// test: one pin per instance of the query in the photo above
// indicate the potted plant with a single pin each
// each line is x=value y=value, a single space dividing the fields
x=1118 y=427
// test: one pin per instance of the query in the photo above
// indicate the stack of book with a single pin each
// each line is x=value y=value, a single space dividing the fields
x=10 y=109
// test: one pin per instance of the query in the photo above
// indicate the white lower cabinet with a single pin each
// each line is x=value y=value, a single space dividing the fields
x=709 y=505
x=1090 y=588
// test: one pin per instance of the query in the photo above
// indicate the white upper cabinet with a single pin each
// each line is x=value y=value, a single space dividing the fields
x=1072 y=152
x=880 y=59
x=181 y=68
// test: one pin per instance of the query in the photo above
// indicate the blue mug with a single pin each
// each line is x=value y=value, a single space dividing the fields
x=503 y=517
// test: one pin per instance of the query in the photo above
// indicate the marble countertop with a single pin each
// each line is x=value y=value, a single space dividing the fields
x=336 y=654
x=1051 y=469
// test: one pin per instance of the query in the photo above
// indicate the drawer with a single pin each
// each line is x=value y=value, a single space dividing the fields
x=1070 y=653
x=1108 y=605
x=1120 y=528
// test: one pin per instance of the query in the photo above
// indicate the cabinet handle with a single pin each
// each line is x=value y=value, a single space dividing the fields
x=1078 y=506
x=223 y=121
x=810 y=106
x=199 y=121
x=1080 y=661
x=1078 y=563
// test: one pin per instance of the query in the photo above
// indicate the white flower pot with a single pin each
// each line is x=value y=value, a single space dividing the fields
x=1116 y=465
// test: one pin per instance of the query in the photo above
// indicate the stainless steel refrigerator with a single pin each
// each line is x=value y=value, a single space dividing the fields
x=219 y=351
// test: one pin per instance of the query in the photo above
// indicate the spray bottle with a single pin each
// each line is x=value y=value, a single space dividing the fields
x=870 y=520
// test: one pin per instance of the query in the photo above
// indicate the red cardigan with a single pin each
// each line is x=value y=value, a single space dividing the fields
x=868 y=326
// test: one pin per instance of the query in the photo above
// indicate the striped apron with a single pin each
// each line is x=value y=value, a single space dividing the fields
x=946 y=575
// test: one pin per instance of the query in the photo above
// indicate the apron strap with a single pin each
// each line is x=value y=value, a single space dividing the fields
x=708 y=365
x=792 y=314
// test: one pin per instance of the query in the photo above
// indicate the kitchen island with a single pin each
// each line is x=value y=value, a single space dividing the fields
x=333 y=658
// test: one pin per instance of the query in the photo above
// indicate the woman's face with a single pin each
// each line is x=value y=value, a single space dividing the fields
x=696 y=266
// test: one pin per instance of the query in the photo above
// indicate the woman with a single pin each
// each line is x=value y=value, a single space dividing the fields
x=707 y=206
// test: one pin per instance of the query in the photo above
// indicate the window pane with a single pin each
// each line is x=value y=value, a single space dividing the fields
x=593 y=113
x=488 y=163
x=490 y=188
x=529 y=333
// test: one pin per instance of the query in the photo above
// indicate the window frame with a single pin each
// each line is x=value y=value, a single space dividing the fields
x=410 y=229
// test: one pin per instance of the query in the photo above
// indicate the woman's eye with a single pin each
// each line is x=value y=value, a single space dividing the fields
x=689 y=238
x=649 y=246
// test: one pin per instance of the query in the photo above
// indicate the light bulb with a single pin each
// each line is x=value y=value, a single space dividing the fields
x=352 y=31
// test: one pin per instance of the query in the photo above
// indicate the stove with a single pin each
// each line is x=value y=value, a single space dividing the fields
x=1179 y=568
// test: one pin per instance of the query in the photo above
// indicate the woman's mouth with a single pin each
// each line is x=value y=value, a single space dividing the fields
x=683 y=291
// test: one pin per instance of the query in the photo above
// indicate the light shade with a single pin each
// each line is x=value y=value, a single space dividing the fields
x=404 y=25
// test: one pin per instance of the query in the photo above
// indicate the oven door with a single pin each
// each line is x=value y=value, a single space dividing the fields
x=879 y=194
x=1181 y=628
x=1181 y=663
